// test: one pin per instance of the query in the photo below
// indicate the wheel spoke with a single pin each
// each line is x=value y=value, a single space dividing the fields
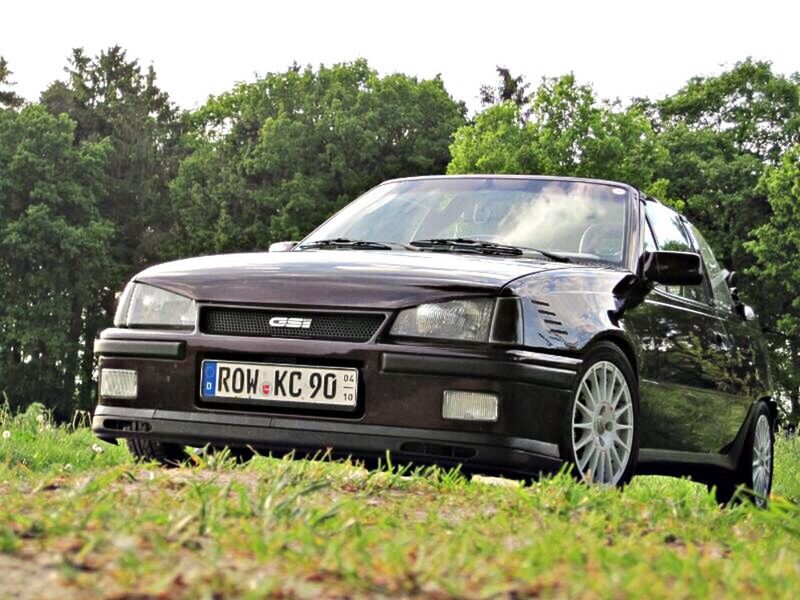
x=596 y=385
x=585 y=440
x=613 y=383
x=584 y=409
x=589 y=395
x=610 y=465
x=601 y=468
x=584 y=462
x=593 y=465
x=618 y=440
x=615 y=455
x=619 y=394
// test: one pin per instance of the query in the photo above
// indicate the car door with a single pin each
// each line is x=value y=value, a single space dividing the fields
x=693 y=388
x=746 y=355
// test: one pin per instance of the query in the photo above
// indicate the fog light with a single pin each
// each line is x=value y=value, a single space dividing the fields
x=469 y=406
x=118 y=383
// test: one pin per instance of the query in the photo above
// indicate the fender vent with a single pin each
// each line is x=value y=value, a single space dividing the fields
x=550 y=318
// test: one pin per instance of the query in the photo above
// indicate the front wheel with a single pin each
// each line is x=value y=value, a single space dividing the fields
x=602 y=437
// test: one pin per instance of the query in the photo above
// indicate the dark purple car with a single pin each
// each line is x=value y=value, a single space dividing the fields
x=506 y=324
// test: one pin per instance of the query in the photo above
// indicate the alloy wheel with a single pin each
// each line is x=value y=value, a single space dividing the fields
x=762 y=459
x=602 y=424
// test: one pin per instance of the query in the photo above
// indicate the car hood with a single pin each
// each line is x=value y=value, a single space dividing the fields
x=346 y=278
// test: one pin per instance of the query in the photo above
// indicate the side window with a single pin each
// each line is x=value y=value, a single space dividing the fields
x=649 y=240
x=670 y=235
x=722 y=293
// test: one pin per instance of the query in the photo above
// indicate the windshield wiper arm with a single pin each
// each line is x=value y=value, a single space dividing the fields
x=551 y=255
x=346 y=243
x=485 y=247
x=467 y=244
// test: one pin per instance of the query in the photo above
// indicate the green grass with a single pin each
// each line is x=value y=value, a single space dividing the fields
x=106 y=527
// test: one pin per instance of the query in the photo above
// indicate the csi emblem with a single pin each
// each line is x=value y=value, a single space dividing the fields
x=290 y=322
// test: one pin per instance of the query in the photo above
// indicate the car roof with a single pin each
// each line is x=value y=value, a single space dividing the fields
x=533 y=177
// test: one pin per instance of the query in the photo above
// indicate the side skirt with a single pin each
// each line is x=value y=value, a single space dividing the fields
x=702 y=467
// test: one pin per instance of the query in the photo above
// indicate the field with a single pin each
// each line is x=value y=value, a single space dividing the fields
x=78 y=519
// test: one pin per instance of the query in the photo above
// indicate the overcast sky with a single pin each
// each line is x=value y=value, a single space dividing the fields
x=199 y=48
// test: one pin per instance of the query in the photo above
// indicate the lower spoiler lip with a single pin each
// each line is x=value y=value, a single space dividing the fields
x=474 y=451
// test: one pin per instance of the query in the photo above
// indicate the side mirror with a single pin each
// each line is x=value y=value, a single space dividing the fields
x=282 y=246
x=746 y=312
x=730 y=279
x=672 y=268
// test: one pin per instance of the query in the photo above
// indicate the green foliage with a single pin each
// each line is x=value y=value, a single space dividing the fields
x=776 y=246
x=509 y=89
x=53 y=253
x=104 y=176
x=8 y=98
x=721 y=133
x=564 y=131
x=272 y=159
x=112 y=102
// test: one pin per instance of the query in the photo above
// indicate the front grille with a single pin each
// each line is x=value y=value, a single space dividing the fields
x=355 y=327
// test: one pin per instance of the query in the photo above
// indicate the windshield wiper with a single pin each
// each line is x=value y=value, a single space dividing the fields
x=346 y=243
x=551 y=255
x=460 y=244
x=484 y=247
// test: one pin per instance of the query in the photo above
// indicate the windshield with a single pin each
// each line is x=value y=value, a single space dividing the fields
x=571 y=218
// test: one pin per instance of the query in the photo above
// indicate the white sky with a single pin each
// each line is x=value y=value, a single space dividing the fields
x=625 y=49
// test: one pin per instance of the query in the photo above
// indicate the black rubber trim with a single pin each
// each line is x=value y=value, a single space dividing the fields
x=411 y=364
x=140 y=348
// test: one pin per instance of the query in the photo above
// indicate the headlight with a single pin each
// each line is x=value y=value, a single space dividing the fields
x=467 y=320
x=144 y=305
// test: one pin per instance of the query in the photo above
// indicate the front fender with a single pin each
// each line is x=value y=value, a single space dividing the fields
x=565 y=310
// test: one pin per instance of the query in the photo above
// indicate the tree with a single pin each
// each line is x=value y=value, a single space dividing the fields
x=110 y=98
x=720 y=132
x=510 y=89
x=272 y=159
x=776 y=246
x=7 y=97
x=567 y=131
x=54 y=250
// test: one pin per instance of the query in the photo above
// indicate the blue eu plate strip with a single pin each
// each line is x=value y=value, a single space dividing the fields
x=209 y=378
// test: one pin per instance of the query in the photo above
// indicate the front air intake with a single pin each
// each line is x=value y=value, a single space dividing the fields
x=249 y=322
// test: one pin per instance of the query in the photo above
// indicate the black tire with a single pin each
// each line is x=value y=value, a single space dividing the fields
x=728 y=488
x=147 y=450
x=604 y=352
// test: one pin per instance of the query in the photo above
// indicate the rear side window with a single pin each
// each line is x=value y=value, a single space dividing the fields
x=719 y=287
x=670 y=234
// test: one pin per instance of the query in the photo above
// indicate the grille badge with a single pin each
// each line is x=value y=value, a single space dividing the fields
x=290 y=322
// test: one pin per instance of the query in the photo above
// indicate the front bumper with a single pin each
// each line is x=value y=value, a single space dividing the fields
x=400 y=400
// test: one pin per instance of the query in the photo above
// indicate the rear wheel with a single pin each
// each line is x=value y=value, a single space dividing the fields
x=754 y=472
x=602 y=438
x=146 y=450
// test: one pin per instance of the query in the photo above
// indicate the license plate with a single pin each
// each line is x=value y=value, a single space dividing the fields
x=288 y=385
